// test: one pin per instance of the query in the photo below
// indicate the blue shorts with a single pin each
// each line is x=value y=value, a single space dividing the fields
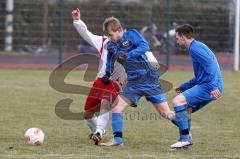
x=197 y=97
x=154 y=94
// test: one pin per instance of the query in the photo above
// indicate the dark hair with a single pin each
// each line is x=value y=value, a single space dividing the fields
x=186 y=30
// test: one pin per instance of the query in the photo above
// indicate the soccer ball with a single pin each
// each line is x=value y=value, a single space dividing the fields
x=34 y=136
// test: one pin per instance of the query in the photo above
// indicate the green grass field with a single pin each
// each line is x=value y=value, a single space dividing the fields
x=27 y=101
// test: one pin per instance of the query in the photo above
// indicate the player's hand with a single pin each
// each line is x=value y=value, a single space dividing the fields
x=105 y=79
x=178 y=90
x=216 y=94
x=76 y=14
x=122 y=57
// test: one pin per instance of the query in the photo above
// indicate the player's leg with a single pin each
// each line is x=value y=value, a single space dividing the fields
x=158 y=99
x=129 y=97
x=160 y=103
x=107 y=100
x=108 y=95
x=101 y=122
x=117 y=122
x=182 y=118
x=103 y=117
x=164 y=110
x=186 y=103
x=91 y=106
x=178 y=101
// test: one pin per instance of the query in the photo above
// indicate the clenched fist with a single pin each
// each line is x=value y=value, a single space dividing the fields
x=76 y=14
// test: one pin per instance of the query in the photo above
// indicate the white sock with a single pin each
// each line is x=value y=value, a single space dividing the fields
x=102 y=121
x=91 y=123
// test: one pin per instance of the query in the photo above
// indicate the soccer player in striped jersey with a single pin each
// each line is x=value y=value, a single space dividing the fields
x=100 y=95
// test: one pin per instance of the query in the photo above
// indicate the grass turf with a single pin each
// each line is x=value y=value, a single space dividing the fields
x=27 y=101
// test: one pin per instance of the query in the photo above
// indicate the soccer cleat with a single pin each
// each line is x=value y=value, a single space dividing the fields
x=181 y=144
x=90 y=135
x=96 y=138
x=111 y=143
x=104 y=132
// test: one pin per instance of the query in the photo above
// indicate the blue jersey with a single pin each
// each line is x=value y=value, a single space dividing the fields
x=206 y=69
x=136 y=66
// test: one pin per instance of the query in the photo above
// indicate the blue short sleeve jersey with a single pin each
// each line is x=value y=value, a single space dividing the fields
x=206 y=69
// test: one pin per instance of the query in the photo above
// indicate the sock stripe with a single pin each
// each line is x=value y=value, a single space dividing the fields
x=182 y=119
x=180 y=108
x=117 y=134
x=185 y=132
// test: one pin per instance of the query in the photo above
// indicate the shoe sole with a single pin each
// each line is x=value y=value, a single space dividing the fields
x=187 y=147
x=105 y=145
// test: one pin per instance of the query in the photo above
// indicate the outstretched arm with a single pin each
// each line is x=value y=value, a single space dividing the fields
x=187 y=85
x=94 y=40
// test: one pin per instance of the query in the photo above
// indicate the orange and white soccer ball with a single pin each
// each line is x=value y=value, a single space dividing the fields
x=34 y=136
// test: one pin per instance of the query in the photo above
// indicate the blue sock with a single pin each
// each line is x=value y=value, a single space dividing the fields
x=174 y=121
x=189 y=127
x=182 y=118
x=189 y=121
x=117 y=126
x=189 y=124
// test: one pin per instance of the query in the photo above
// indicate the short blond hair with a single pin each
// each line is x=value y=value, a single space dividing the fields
x=112 y=24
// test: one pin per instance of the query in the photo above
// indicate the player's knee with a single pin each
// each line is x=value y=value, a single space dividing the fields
x=119 y=105
x=88 y=115
x=105 y=105
x=178 y=101
x=117 y=108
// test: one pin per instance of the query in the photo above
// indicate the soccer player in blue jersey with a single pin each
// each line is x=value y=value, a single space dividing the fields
x=129 y=48
x=205 y=87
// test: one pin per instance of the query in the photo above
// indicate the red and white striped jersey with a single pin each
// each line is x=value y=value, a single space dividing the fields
x=95 y=41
